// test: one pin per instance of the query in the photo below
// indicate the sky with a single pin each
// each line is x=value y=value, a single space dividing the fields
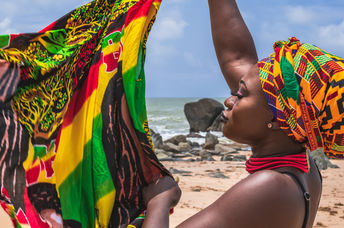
x=181 y=60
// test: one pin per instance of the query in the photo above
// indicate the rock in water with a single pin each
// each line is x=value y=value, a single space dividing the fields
x=201 y=114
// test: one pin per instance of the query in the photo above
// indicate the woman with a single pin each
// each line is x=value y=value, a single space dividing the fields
x=274 y=109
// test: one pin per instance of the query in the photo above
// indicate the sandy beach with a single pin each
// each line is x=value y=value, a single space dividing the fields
x=202 y=182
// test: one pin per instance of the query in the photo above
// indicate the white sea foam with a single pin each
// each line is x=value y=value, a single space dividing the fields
x=166 y=116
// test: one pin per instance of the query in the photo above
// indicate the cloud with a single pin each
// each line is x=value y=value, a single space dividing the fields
x=166 y=33
x=159 y=50
x=317 y=24
x=5 y=26
x=332 y=37
x=169 y=27
x=299 y=14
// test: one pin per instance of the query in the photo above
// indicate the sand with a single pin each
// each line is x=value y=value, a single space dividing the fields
x=203 y=182
x=200 y=189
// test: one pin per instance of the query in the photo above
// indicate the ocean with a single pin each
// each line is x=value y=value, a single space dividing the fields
x=166 y=117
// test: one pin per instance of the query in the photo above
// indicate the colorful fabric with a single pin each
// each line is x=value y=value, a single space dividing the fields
x=298 y=161
x=72 y=106
x=304 y=87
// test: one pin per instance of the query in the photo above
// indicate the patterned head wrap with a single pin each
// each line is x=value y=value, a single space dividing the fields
x=304 y=87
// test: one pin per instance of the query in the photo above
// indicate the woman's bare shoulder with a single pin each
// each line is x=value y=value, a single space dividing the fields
x=264 y=199
x=269 y=198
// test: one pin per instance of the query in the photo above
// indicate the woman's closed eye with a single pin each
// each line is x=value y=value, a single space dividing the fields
x=238 y=94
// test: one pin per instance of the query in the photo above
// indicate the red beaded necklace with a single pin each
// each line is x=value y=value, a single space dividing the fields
x=298 y=161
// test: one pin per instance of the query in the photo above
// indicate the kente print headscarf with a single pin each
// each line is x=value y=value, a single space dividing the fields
x=304 y=87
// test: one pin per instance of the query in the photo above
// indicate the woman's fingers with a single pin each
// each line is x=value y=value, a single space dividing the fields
x=53 y=219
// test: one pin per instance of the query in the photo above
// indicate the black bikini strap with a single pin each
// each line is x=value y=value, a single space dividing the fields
x=306 y=196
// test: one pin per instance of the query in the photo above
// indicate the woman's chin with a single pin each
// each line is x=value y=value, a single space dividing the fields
x=233 y=136
x=226 y=130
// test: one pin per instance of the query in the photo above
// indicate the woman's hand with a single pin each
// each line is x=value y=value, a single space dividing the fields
x=52 y=218
x=159 y=198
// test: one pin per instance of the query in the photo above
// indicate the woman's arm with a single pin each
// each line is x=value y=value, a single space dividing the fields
x=233 y=42
x=160 y=197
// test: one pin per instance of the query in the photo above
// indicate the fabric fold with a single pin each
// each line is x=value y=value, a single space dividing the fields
x=73 y=103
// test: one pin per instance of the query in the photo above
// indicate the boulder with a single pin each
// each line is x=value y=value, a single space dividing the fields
x=224 y=149
x=230 y=157
x=195 y=152
x=213 y=152
x=184 y=146
x=218 y=174
x=210 y=141
x=176 y=139
x=181 y=155
x=156 y=139
x=194 y=144
x=204 y=154
x=210 y=158
x=227 y=157
x=189 y=154
x=239 y=158
x=217 y=124
x=158 y=151
x=164 y=157
x=194 y=135
x=170 y=147
x=321 y=160
x=201 y=114
x=177 y=171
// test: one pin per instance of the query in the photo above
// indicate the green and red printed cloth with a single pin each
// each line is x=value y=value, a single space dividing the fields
x=74 y=126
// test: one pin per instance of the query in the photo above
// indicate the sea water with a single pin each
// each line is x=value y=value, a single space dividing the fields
x=166 y=117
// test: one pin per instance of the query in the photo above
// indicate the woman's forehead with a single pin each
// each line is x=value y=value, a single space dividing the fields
x=251 y=79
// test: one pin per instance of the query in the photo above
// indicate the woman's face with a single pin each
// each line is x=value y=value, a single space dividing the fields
x=248 y=112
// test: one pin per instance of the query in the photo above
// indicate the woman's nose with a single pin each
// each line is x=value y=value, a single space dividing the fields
x=229 y=102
